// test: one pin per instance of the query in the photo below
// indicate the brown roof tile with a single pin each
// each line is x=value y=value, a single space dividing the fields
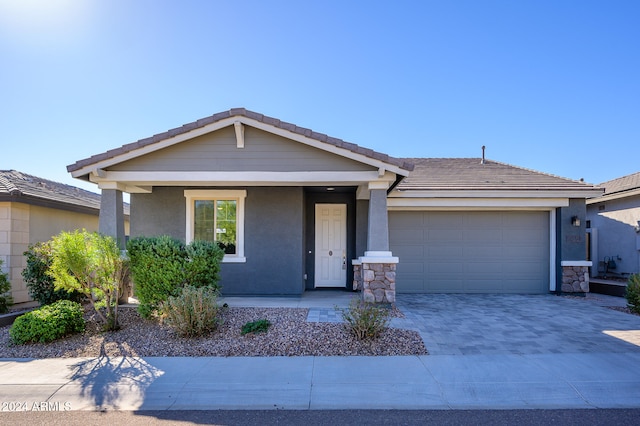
x=624 y=183
x=470 y=173
x=18 y=186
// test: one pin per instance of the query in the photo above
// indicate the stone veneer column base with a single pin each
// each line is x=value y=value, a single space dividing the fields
x=374 y=276
x=575 y=276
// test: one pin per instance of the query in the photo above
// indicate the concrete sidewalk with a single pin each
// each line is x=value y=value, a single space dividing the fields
x=587 y=358
x=303 y=383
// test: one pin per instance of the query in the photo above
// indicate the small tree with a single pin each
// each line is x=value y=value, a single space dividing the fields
x=90 y=263
x=5 y=287
x=40 y=284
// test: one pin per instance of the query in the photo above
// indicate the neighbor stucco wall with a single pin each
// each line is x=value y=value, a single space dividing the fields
x=24 y=224
x=46 y=222
x=615 y=221
x=273 y=236
x=14 y=240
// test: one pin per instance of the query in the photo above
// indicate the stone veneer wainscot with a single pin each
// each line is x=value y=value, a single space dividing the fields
x=375 y=277
x=575 y=276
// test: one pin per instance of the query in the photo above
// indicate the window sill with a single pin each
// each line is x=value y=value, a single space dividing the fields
x=234 y=259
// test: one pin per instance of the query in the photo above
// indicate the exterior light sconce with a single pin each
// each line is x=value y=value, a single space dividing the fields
x=575 y=221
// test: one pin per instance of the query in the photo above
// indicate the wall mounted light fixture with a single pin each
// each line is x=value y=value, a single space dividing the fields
x=575 y=221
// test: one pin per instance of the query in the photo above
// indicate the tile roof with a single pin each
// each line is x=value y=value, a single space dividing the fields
x=471 y=173
x=625 y=183
x=234 y=112
x=15 y=186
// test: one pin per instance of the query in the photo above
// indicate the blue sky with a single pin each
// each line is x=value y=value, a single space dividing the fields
x=548 y=85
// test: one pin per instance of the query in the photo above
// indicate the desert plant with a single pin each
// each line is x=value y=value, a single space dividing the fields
x=90 y=264
x=633 y=293
x=258 y=326
x=194 y=312
x=48 y=323
x=162 y=266
x=365 y=320
x=5 y=287
x=40 y=284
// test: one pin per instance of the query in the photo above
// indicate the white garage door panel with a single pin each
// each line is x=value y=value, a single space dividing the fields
x=471 y=252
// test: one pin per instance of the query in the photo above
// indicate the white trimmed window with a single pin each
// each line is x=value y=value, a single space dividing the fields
x=217 y=215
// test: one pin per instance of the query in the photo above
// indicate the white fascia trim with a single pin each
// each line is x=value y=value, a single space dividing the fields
x=155 y=146
x=586 y=263
x=124 y=187
x=114 y=185
x=615 y=196
x=230 y=122
x=203 y=194
x=464 y=203
x=236 y=178
x=482 y=193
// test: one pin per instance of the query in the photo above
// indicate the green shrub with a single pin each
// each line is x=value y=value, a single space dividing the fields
x=259 y=326
x=157 y=269
x=365 y=320
x=90 y=264
x=48 y=323
x=203 y=264
x=162 y=266
x=5 y=288
x=194 y=312
x=633 y=293
x=39 y=282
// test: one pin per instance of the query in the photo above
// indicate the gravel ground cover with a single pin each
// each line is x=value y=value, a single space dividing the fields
x=289 y=335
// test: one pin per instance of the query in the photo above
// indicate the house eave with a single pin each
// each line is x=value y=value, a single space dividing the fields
x=143 y=182
x=615 y=196
x=495 y=193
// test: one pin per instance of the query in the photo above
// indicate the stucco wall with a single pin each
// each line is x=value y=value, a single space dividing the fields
x=163 y=212
x=615 y=221
x=14 y=240
x=362 y=226
x=273 y=236
x=23 y=224
x=217 y=151
x=46 y=222
x=572 y=239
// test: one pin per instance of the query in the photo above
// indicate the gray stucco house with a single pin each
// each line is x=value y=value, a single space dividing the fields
x=299 y=210
x=613 y=222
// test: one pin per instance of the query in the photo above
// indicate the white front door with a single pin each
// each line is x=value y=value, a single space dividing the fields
x=331 y=245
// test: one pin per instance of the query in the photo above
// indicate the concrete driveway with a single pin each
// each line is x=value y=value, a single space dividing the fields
x=456 y=324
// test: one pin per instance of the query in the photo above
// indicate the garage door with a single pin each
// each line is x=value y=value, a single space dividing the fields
x=471 y=252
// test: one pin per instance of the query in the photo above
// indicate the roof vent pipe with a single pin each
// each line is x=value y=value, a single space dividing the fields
x=483 y=147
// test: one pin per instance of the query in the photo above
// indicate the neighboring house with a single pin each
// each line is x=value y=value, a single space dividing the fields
x=613 y=222
x=33 y=209
x=300 y=210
